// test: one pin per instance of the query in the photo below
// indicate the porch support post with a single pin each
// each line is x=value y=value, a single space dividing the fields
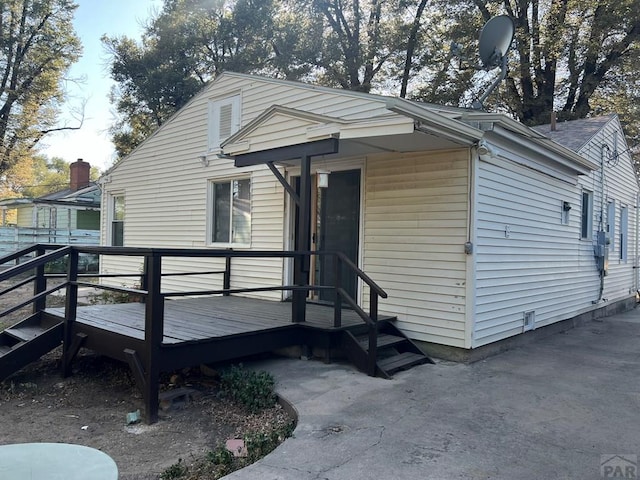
x=301 y=262
x=153 y=334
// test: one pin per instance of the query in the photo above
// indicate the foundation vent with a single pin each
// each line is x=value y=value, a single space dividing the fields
x=529 y=320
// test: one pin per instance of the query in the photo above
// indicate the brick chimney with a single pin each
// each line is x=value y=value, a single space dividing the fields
x=79 y=175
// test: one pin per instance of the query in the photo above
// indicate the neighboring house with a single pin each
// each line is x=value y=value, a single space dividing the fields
x=69 y=216
x=478 y=227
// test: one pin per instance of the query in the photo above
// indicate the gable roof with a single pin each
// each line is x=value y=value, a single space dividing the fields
x=575 y=134
x=87 y=197
x=431 y=125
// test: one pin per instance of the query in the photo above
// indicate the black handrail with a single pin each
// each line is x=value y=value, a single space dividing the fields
x=151 y=284
x=370 y=319
x=34 y=263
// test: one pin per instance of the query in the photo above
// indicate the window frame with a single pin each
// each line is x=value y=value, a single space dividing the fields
x=611 y=224
x=213 y=125
x=211 y=220
x=624 y=233
x=113 y=198
x=586 y=215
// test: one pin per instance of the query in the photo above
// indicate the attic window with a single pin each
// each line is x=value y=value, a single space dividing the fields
x=224 y=120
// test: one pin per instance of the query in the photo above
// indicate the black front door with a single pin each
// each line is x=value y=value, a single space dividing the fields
x=337 y=229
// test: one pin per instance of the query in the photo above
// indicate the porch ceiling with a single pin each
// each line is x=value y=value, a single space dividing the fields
x=279 y=128
x=404 y=143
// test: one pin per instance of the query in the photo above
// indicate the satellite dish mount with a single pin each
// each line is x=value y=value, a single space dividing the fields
x=495 y=39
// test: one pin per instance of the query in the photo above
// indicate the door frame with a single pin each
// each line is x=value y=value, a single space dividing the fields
x=289 y=217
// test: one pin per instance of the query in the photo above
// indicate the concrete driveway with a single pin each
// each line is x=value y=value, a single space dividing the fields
x=565 y=407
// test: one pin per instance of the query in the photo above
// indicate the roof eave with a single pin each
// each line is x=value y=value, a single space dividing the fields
x=435 y=123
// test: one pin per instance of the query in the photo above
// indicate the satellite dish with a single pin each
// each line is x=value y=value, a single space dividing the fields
x=495 y=39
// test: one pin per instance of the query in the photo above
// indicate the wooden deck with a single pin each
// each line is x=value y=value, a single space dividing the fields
x=208 y=329
x=172 y=330
x=202 y=330
x=206 y=318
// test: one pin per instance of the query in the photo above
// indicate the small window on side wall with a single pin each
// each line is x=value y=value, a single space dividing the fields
x=230 y=217
x=586 y=225
x=624 y=227
x=611 y=224
x=117 y=220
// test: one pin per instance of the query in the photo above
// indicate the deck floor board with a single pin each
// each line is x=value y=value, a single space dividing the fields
x=194 y=319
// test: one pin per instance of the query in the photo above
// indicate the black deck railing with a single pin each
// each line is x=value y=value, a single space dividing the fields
x=150 y=287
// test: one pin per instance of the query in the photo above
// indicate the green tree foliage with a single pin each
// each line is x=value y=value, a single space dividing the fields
x=339 y=43
x=37 y=46
x=575 y=57
x=35 y=176
x=183 y=47
x=354 y=41
x=565 y=52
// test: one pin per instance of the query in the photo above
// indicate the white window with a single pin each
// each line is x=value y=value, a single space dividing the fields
x=230 y=212
x=116 y=221
x=586 y=225
x=224 y=120
x=624 y=226
x=611 y=224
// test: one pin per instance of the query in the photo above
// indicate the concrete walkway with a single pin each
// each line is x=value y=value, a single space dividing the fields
x=549 y=410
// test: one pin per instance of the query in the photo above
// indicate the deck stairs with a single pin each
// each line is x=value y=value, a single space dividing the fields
x=395 y=351
x=27 y=341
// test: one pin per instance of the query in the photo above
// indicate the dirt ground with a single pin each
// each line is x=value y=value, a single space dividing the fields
x=90 y=408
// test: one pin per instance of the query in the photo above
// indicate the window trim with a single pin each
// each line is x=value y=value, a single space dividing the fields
x=213 y=124
x=624 y=233
x=210 y=213
x=611 y=224
x=111 y=215
x=589 y=215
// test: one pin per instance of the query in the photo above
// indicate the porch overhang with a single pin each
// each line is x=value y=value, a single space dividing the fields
x=282 y=135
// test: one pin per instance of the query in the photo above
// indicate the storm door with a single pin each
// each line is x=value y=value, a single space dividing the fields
x=337 y=228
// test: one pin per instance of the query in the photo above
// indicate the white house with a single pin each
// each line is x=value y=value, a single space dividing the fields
x=478 y=227
x=69 y=216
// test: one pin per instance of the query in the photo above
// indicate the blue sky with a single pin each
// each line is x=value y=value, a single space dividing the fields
x=93 y=19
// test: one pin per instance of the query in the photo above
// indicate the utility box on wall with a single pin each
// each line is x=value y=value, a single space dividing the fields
x=601 y=251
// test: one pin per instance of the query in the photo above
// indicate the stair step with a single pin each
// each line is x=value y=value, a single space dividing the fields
x=384 y=340
x=4 y=349
x=401 y=361
x=25 y=333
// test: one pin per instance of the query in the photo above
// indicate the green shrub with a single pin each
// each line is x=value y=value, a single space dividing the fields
x=220 y=456
x=254 y=390
x=175 y=471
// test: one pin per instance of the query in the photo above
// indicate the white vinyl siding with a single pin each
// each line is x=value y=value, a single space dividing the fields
x=415 y=227
x=415 y=219
x=542 y=265
x=526 y=260
x=620 y=185
x=167 y=185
